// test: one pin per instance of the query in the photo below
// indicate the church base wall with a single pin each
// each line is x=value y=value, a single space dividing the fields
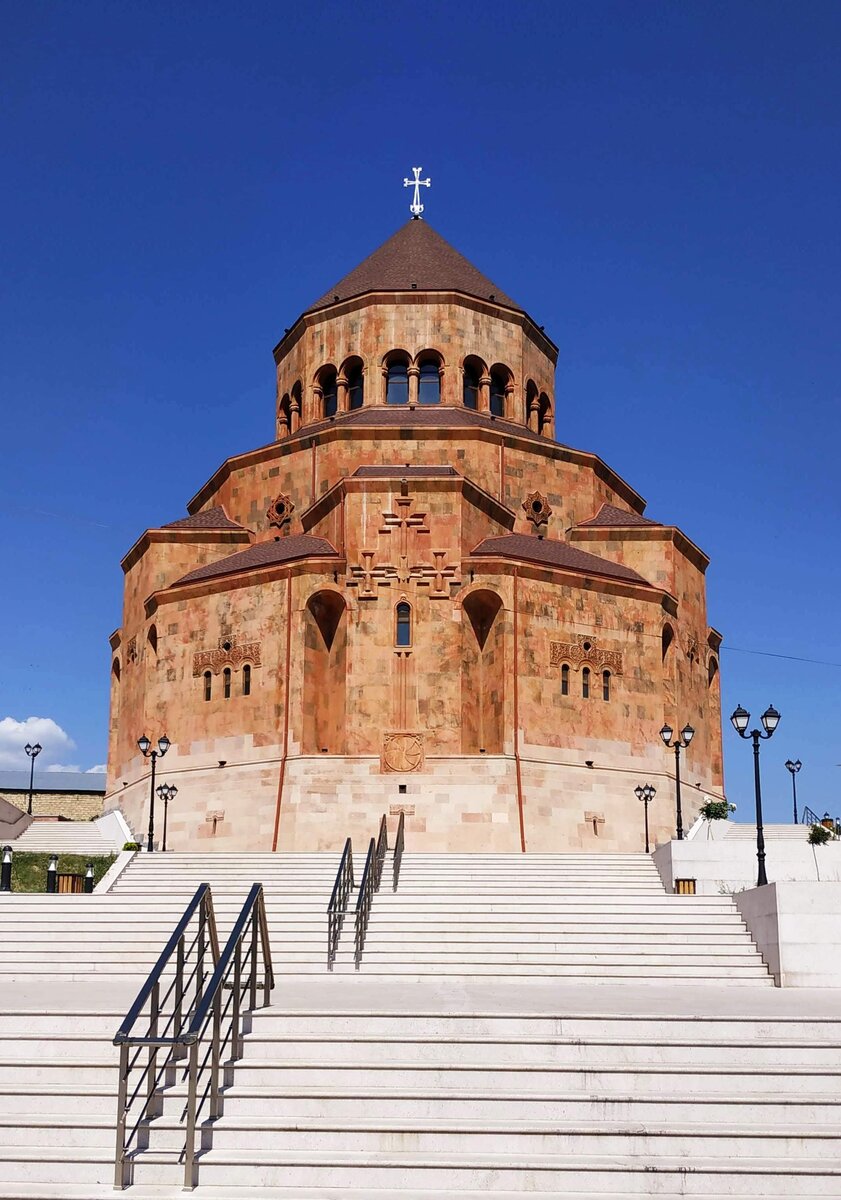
x=460 y=804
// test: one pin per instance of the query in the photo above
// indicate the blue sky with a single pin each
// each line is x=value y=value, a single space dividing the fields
x=657 y=183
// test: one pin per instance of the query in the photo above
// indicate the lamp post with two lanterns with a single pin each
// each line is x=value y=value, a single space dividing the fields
x=166 y=792
x=677 y=744
x=144 y=744
x=794 y=767
x=33 y=752
x=646 y=793
x=770 y=720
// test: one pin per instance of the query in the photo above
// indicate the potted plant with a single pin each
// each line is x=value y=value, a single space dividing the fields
x=819 y=835
x=715 y=810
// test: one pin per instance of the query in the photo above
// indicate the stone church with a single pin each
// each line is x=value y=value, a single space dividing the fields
x=414 y=598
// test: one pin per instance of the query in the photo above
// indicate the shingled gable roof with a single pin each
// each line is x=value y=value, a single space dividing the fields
x=210 y=518
x=551 y=553
x=609 y=515
x=264 y=554
x=415 y=257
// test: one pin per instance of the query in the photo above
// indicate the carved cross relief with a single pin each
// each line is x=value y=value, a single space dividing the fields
x=410 y=557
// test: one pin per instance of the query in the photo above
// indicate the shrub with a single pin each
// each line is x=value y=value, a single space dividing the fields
x=131 y=845
x=819 y=835
x=717 y=810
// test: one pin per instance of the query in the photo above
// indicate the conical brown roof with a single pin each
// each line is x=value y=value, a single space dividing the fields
x=415 y=257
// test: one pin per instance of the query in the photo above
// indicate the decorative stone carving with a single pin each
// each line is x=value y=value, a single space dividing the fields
x=537 y=510
x=693 y=648
x=228 y=654
x=402 y=752
x=437 y=575
x=584 y=652
x=280 y=511
x=131 y=650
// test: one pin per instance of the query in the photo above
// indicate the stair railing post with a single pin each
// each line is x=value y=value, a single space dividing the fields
x=153 y=1102
x=120 y=1180
x=253 y=989
x=190 y=1179
x=178 y=1002
x=236 y=1036
x=215 y=1104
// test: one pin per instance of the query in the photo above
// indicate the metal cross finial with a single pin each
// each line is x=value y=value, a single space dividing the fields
x=416 y=208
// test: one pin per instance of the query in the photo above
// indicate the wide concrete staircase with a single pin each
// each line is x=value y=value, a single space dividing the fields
x=67 y=837
x=515 y=1029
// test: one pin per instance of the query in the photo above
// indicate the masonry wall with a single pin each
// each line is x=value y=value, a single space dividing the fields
x=75 y=806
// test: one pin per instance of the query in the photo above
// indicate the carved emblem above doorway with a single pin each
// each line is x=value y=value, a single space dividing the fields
x=402 y=752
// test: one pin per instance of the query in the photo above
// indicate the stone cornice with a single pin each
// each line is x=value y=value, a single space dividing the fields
x=257 y=576
x=486 y=564
x=477 y=496
x=491 y=308
x=195 y=536
x=642 y=533
x=338 y=429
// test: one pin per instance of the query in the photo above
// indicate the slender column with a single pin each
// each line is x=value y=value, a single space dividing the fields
x=484 y=393
x=341 y=394
x=414 y=386
x=317 y=413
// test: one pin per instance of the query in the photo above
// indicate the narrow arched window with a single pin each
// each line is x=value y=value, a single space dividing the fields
x=397 y=384
x=544 y=417
x=226 y=683
x=329 y=392
x=208 y=685
x=585 y=683
x=403 y=625
x=429 y=383
x=152 y=640
x=712 y=671
x=470 y=393
x=498 y=384
x=605 y=685
x=565 y=679
x=354 y=387
x=284 y=417
x=246 y=680
x=666 y=640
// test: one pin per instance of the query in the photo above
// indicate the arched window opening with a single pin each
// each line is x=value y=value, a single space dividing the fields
x=499 y=382
x=325 y=673
x=544 y=416
x=403 y=624
x=226 y=683
x=605 y=685
x=329 y=391
x=284 y=416
x=565 y=679
x=666 y=640
x=115 y=670
x=355 y=387
x=429 y=382
x=482 y=673
x=152 y=640
x=246 y=680
x=295 y=405
x=712 y=670
x=585 y=683
x=208 y=685
x=470 y=391
x=397 y=382
x=531 y=405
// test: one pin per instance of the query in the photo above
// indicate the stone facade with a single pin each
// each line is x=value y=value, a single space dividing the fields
x=405 y=603
x=73 y=806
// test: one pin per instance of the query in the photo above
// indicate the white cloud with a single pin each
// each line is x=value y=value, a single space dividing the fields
x=99 y=769
x=55 y=768
x=14 y=735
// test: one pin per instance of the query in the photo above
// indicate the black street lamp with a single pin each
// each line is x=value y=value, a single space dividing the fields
x=33 y=752
x=770 y=720
x=677 y=744
x=646 y=793
x=794 y=767
x=145 y=747
x=166 y=792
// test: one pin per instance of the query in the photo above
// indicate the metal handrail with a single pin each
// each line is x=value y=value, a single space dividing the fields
x=382 y=850
x=165 y=1027
x=337 y=907
x=364 y=901
x=810 y=817
x=398 y=851
x=252 y=926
